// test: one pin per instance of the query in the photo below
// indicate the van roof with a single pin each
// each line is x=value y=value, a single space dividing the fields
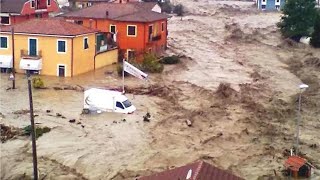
x=120 y=96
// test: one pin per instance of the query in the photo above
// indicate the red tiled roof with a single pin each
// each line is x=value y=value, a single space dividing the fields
x=198 y=171
x=49 y=26
x=295 y=163
x=130 y=12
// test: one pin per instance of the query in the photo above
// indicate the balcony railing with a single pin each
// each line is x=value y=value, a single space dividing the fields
x=28 y=55
x=155 y=38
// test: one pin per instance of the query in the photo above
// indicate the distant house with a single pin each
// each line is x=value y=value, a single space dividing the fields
x=15 y=11
x=87 y=3
x=136 y=27
x=196 y=171
x=298 y=167
x=270 y=5
x=52 y=47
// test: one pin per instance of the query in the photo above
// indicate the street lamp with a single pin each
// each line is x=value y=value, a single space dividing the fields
x=302 y=87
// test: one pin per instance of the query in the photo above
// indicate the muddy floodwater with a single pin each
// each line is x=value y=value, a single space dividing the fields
x=237 y=84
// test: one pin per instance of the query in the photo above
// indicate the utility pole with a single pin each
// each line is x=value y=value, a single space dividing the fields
x=13 y=69
x=33 y=133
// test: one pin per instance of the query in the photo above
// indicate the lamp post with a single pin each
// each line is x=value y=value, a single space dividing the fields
x=301 y=87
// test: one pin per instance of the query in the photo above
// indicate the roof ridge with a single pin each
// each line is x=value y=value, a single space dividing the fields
x=198 y=170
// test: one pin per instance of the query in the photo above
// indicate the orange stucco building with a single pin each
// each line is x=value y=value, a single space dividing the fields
x=136 y=27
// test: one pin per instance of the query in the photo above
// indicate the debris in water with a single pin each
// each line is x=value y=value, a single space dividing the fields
x=146 y=118
x=72 y=121
x=23 y=111
x=48 y=111
x=58 y=114
x=124 y=120
x=188 y=122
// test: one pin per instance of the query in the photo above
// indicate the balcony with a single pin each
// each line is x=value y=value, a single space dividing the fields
x=25 y=54
x=41 y=4
x=154 y=38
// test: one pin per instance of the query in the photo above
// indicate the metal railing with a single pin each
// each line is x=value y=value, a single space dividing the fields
x=27 y=54
x=155 y=38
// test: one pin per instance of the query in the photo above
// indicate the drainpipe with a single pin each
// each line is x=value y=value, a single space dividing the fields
x=13 y=69
x=95 y=53
x=71 y=57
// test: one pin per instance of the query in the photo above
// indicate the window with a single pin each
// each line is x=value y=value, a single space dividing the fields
x=78 y=22
x=61 y=46
x=38 y=15
x=162 y=26
x=3 y=42
x=5 y=20
x=263 y=6
x=32 y=4
x=131 y=30
x=85 y=43
x=119 y=105
x=113 y=28
x=131 y=54
x=126 y=103
x=48 y=2
x=89 y=4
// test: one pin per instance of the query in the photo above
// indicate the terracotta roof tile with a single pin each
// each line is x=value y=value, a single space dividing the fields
x=130 y=12
x=294 y=163
x=198 y=171
x=49 y=26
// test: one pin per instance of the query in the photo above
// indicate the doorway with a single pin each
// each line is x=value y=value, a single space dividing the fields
x=61 y=70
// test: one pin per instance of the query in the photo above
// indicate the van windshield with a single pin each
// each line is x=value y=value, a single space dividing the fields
x=126 y=103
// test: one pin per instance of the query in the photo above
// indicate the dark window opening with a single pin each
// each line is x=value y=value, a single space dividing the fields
x=3 y=42
x=131 y=55
x=5 y=20
x=119 y=105
x=263 y=6
x=131 y=30
x=79 y=22
x=49 y=2
x=38 y=15
x=33 y=4
x=61 y=46
x=85 y=43
x=162 y=26
x=113 y=29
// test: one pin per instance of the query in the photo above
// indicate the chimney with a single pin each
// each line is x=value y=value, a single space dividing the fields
x=107 y=13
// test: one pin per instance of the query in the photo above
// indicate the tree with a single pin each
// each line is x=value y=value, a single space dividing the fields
x=315 y=37
x=298 y=18
x=178 y=9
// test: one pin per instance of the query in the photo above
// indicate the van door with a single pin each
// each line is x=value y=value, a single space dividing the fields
x=120 y=108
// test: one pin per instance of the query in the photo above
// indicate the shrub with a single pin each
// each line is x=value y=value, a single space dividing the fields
x=39 y=131
x=37 y=83
x=315 y=37
x=178 y=9
x=166 y=7
x=170 y=60
x=150 y=64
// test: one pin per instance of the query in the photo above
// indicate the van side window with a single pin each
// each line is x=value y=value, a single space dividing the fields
x=119 y=105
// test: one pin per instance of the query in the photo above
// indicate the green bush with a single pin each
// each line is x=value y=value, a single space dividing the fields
x=166 y=7
x=315 y=37
x=150 y=64
x=37 y=83
x=39 y=131
x=178 y=9
x=170 y=60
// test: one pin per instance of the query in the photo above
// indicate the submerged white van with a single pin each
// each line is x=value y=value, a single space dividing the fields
x=106 y=101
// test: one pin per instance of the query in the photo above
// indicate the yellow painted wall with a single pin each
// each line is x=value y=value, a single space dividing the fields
x=48 y=47
x=83 y=59
x=106 y=58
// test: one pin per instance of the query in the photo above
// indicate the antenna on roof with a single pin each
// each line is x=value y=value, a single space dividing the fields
x=189 y=174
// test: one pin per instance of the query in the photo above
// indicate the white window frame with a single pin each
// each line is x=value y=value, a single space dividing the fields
x=34 y=3
x=37 y=50
x=7 y=42
x=66 y=46
x=65 y=69
x=115 y=27
x=136 y=30
x=87 y=42
x=9 y=20
x=89 y=4
x=162 y=27
x=48 y=2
